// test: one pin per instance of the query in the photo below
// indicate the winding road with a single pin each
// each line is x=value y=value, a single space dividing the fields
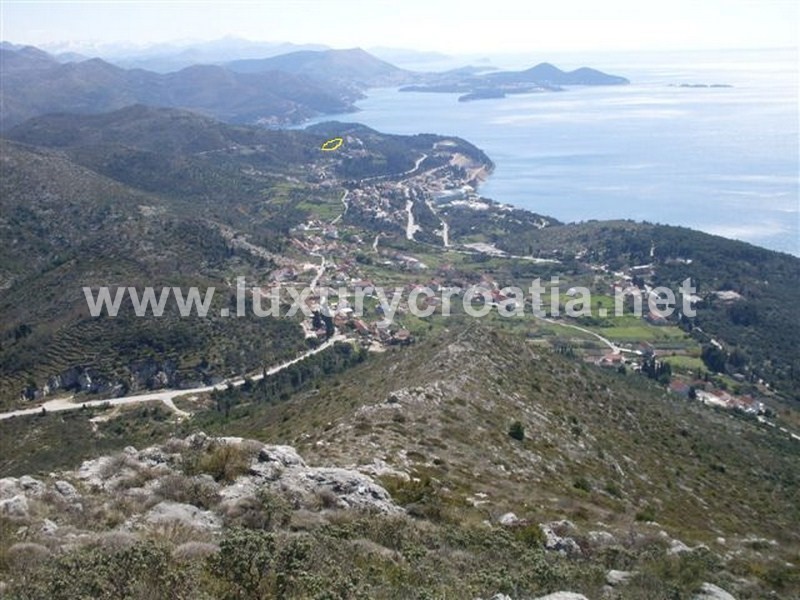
x=165 y=396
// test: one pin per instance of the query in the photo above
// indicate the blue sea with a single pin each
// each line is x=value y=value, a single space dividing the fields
x=722 y=160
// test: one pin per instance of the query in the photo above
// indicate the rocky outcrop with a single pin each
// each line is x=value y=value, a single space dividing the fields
x=15 y=507
x=556 y=537
x=709 y=591
x=281 y=470
x=15 y=494
x=615 y=578
x=141 y=375
x=508 y=519
x=600 y=539
x=186 y=514
x=154 y=476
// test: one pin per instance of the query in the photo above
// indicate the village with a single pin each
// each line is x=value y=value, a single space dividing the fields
x=341 y=260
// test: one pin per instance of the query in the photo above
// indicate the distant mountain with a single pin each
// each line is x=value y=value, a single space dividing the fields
x=353 y=66
x=218 y=52
x=36 y=83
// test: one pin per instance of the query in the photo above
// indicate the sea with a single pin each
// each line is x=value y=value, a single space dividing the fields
x=723 y=160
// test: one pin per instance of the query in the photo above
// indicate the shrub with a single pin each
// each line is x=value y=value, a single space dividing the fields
x=26 y=556
x=530 y=534
x=188 y=490
x=193 y=551
x=648 y=513
x=224 y=462
x=265 y=511
x=244 y=562
x=517 y=431
x=581 y=483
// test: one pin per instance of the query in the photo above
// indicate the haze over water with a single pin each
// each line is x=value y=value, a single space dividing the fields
x=722 y=160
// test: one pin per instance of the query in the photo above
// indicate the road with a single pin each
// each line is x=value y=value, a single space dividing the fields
x=165 y=396
x=416 y=164
x=614 y=348
x=344 y=212
x=320 y=271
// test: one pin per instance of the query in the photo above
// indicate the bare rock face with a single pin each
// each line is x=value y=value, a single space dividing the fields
x=709 y=591
x=563 y=596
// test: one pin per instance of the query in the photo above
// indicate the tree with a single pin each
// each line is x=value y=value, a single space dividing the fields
x=714 y=359
x=517 y=431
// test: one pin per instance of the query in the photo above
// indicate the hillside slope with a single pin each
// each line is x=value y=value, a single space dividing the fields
x=34 y=83
x=610 y=473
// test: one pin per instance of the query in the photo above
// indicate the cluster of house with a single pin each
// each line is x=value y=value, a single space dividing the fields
x=719 y=398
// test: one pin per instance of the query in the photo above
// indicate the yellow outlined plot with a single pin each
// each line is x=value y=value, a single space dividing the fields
x=332 y=145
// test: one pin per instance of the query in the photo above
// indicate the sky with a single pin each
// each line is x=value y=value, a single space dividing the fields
x=452 y=27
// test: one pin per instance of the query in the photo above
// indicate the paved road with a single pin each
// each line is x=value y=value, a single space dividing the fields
x=165 y=396
x=346 y=206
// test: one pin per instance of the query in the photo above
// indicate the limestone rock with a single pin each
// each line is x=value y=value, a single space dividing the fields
x=555 y=542
x=709 y=591
x=601 y=538
x=286 y=456
x=9 y=487
x=49 y=527
x=67 y=490
x=15 y=507
x=31 y=486
x=508 y=519
x=187 y=514
x=615 y=578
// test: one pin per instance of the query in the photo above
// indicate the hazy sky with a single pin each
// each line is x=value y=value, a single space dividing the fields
x=444 y=25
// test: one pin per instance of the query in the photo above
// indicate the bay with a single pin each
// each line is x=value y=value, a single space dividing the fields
x=722 y=160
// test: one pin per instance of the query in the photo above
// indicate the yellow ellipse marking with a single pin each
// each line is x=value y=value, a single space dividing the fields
x=332 y=145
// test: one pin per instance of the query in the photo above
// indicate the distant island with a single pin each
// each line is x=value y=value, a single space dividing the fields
x=482 y=95
x=700 y=85
x=544 y=77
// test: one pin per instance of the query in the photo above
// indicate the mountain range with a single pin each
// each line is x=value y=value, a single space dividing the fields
x=277 y=90
x=35 y=83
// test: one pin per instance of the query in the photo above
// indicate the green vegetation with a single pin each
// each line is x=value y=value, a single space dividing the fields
x=517 y=431
x=365 y=556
